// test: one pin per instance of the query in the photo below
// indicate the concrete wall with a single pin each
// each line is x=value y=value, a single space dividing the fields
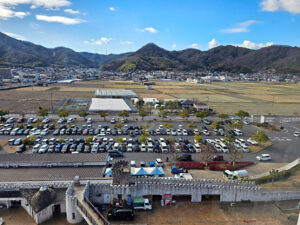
x=73 y=215
x=229 y=191
x=43 y=215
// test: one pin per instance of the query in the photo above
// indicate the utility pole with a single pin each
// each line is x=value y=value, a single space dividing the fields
x=272 y=105
x=51 y=101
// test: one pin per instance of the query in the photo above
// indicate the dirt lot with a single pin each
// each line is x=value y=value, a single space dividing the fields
x=211 y=213
x=226 y=97
x=8 y=149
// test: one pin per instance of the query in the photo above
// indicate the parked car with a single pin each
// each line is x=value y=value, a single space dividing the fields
x=184 y=157
x=21 y=148
x=120 y=214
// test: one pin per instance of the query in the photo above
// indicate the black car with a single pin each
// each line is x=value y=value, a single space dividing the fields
x=21 y=148
x=115 y=153
x=184 y=157
x=68 y=131
x=120 y=214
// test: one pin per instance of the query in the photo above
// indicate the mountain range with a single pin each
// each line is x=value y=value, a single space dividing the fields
x=284 y=59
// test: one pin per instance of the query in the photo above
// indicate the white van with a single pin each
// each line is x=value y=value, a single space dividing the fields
x=116 y=146
x=238 y=132
x=132 y=163
x=164 y=147
x=129 y=147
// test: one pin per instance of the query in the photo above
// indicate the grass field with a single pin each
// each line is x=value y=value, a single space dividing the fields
x=256 y=98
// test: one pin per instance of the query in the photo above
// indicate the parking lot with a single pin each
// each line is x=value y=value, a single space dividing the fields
x=121 y=138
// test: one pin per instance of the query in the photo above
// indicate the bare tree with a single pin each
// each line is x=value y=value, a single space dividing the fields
x=207 y=153
x=234 y=153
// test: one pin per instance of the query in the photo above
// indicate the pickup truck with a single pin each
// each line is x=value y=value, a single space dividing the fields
x=175 y=170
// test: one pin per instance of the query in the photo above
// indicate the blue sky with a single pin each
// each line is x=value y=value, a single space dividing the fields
x=115 y=26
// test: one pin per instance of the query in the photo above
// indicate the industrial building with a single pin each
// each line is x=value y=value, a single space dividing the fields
x=110 y=105
x=115 y=93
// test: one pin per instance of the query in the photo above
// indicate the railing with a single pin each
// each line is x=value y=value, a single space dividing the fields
x=94 y=221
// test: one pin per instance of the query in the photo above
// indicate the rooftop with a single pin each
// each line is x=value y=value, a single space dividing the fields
x=115 y=93
x=109 y=105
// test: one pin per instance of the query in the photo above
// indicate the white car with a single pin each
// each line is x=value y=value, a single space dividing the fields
x=197 y=147
x=296 y=134
x=205 y=132
x=252 y=142
x=184 y=132
x=36 y=148
x=244 y=147
x=143 y=147
x=263 y=157
x=44 y=148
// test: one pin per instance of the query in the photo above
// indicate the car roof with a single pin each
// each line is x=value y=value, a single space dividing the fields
x=265 y=155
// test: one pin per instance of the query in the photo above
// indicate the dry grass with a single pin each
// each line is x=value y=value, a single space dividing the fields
x=7 y=148
x=260 y=147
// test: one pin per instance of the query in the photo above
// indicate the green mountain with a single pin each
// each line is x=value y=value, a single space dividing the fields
x=22 y=53
x=283 y=59
x=223 y=58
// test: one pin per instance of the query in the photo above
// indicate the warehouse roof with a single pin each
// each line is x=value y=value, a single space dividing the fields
x=115 y=93
x=109 y=105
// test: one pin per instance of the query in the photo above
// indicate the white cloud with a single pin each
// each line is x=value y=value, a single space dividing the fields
x=7 y=12
x=291 y=6
x=59 y=19
x=112 y=8
x=241 y=27
x=127 y=42
x=16 y=36
x=7 y=6
x=195 y=45
x=213 y=43
x=148 y=29
x=174 y=46
x=252 y=45
x=71 y=11
x=101 y=41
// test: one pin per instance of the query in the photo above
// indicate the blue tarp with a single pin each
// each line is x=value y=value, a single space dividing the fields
x=108 y=172
x=141 y=172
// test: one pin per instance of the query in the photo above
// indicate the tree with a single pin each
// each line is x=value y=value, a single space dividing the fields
x=118 y=126
x=184 y=114
x=207 y=153
x=3 y=112
x=172 y=105
x=229 y=139
x=103 y=115
x=83 y=114
x=142 y=114
x=120 y=140
x=223 y=115
x=216 y=124
x=123 y=113
x=163 y=114
x=89 y=140
x=42 y=112
x=168 y=126
x=161 y=108
x=274 y=174
x=192 y=126
x=260 y=136
x=63 y=113
x=202 y=114
x=142 y=139
x=242 y=113
x=29 y=141
x=140 y=103
x=238 y=125
x=234 y=153
x=198 y=138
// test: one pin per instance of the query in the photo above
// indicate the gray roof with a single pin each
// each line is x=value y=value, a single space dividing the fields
x=50 y=158
x=115 y=93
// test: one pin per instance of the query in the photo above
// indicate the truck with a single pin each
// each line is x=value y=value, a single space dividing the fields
x=142 y=203
x=175 y=170
x=235 y=175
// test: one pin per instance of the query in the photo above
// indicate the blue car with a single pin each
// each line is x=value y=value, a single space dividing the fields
x=18 y=141
x=20 y=131
x=58 y=147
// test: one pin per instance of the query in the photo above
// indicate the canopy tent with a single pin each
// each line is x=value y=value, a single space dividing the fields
x=147 y=171
x=157 y=171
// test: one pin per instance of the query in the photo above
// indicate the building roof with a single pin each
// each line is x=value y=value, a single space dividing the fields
x=44 y=197
x=109 y=105
x=121 y=93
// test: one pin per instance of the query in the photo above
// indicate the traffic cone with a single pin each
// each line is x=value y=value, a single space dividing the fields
x=244 y=220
